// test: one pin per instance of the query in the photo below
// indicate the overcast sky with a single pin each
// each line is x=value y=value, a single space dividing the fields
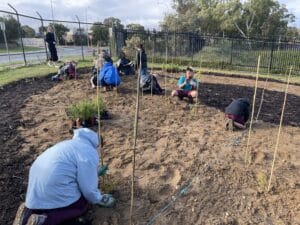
x=145 y=12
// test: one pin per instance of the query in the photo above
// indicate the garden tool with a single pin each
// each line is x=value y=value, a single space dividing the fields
x=102 y=170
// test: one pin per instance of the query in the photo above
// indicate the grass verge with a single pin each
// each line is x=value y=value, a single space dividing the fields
x=10 y=75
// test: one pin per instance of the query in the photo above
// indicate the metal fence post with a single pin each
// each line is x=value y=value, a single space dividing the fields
x=80 y=37
x=5 y=40
x=231 y=52
x=20 y=33
x=42 y=22
x=271 y=56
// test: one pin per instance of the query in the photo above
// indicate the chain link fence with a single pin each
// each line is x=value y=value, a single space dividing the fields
x=22 y=44
x=212 y=52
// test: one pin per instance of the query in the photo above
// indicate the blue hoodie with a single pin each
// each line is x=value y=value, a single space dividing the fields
x=109 y=75
x=64 y=172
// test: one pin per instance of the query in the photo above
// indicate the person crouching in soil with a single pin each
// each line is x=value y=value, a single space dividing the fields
x=108 y=76
x=237 y=114
x=124 y=65
x=187 y=86
x=62 y=181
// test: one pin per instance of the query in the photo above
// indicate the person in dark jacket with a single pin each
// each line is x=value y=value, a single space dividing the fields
x=141 y=60
x=50 y=39
x=237 y=113
x=124 y=65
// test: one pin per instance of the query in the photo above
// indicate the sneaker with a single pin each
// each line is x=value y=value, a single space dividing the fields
x=36 y=219
x=191 y=100
x=107 y=201
x=229 y=124
x=20 y=214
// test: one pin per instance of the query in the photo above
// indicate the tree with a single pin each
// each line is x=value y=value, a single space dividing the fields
x=262 y=18
x=100 y=33
x=249 y=18
x=293 y=33
x=135 y=27
x=60 y=31
x=27 y=31
x=80 y=38
x=113 y=22
x=12 y=32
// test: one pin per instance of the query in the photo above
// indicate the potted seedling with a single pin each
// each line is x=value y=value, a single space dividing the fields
x=84 y=113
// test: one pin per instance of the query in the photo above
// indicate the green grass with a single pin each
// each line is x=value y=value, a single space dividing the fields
x=263 y=74
x=10 y=75
x=19 y=49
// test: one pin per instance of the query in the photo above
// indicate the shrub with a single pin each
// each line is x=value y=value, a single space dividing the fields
x=86 y=109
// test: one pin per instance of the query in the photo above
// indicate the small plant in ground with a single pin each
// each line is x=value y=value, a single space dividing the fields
x=173 y=68
x=86 y=111
x=261 y=179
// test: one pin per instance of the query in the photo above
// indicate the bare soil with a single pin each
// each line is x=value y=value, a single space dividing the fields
x=176 y=147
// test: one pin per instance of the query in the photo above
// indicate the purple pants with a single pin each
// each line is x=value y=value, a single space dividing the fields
x=236 y=118
x=59 y=215
x=183 y=93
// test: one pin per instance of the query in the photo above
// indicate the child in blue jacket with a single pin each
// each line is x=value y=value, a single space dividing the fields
x=108 y=75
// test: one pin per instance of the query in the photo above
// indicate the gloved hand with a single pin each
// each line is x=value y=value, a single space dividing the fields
x=107 y=201
x=102 y=170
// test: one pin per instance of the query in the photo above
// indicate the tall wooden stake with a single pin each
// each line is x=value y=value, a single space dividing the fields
x=199 y=80
x=137 y=107
x=166 y=66
x=153 y=52
x=247 y=161
x=279 y=129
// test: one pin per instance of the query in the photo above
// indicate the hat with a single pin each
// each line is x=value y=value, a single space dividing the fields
x=191 y=69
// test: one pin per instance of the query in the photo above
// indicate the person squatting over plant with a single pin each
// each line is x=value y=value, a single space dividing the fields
x=147 y=81
x=108 y=76
x=99 y=62
x=237 y=114
x=50 y=39
x=124 y=65
x=62 y=181
x=187 y=86
x=66 y=71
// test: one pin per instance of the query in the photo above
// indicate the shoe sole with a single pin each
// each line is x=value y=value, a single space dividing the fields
x=19 y=215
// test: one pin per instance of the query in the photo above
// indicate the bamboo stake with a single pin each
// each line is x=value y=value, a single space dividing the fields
x=252 y=114
x=153 y=52
x=166 y=62
x=99 y=121
x=199 y=80
x=263 y=93
x=279 y=129
x=134 y=140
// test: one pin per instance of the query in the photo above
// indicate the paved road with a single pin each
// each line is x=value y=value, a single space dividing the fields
x=35 y=56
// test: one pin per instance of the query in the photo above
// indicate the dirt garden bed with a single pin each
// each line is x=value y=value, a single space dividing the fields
x=175 y=147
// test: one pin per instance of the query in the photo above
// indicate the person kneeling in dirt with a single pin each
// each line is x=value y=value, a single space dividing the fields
x=187 y=86
x=237 y=114
x=149 y=81
x=108 y=76
x=66 y=71
x=124 y=65
x=62 y=181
